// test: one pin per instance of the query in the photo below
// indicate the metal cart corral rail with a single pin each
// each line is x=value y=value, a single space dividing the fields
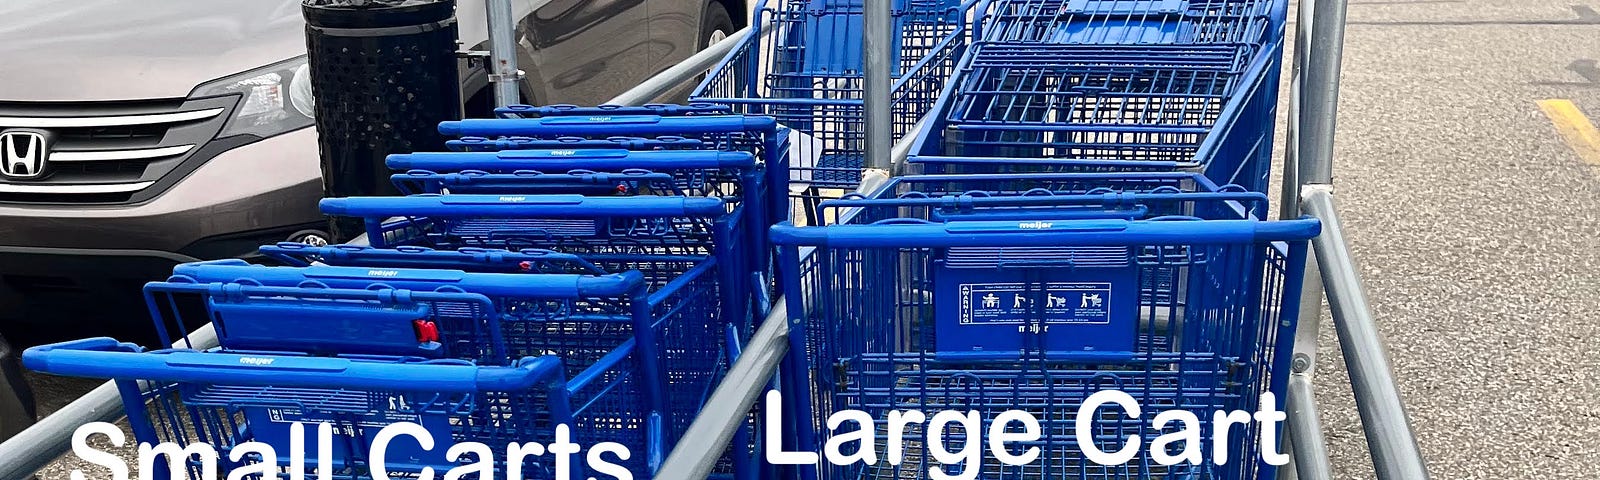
x=1307 y=189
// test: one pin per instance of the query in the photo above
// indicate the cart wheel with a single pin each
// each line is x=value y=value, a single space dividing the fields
x=715 y=25
x=16 y=398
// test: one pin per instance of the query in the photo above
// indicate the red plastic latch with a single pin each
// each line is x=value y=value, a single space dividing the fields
x=426 y=331
x=622 y=189
x=525 y=265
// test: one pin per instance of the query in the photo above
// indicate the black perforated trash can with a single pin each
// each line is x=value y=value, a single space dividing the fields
x=384 y=74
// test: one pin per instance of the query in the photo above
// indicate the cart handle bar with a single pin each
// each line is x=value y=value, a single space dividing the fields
x=539 y=206
x=912 y=233
x=569 y=159
x=105 y=357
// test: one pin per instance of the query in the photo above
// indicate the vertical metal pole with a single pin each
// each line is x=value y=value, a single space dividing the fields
x=1304 y=433
x=1320 y=93
x=1289 y=207
x=503 y=72
x=876 y=20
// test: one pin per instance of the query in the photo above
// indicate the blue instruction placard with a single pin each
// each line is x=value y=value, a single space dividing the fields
x=1018 y=303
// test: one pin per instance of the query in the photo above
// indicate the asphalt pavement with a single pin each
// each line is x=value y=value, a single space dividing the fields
x=1477 y=228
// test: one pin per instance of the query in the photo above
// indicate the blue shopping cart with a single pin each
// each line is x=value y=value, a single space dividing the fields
x=804 y=69
x=1005 y=314
x=1057 y=108
x=646 y=340
x=226 y=399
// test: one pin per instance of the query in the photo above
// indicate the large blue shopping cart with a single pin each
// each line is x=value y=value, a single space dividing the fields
x=1056 y=108
x=990 y=315
x=804 y=68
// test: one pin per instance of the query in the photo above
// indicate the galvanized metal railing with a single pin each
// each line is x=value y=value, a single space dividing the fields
x=1307 y=190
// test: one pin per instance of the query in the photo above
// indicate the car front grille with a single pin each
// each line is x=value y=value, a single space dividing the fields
x=107 y=152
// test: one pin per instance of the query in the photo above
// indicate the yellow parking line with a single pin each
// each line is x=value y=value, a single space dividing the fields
x=1576 y=128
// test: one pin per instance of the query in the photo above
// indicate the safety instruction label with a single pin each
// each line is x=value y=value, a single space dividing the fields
x=1077 y=303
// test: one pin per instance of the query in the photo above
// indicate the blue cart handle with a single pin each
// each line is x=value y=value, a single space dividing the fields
x=409 y=284
x=608 y=125
x=571 y=177
x=535 y=206
x=107 y=358
x=700 y=108
x=521 y=181
x=569 y=159
x=1045 y=198
x=1090 y=232
x=631 y=143
x=301 y=255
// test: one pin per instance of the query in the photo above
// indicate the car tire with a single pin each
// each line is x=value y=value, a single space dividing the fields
x=715 y=25
x=16 y=398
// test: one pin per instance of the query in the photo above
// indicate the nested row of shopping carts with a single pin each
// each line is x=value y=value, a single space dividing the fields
x=576 y=279
x=1085 y=213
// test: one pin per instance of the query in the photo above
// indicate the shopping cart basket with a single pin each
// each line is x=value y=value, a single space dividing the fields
x=804 y=69
x=997 y=315
x=1135 y=22
x=1107 y=108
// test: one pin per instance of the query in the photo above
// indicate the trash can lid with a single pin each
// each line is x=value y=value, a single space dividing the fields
x=375 y=13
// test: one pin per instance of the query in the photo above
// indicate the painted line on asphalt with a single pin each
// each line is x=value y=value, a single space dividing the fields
x=1574 y=127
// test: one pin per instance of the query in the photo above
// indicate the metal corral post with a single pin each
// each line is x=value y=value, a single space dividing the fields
x=503 y=72
x=1303 y=436
x=1319 y=95
x=876 y=20
x=32 y=449
x=1395 y=455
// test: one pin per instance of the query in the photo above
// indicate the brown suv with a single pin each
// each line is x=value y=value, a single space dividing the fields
x=135 y=134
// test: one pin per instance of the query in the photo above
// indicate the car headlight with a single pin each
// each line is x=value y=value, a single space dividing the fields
x=273 y=99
